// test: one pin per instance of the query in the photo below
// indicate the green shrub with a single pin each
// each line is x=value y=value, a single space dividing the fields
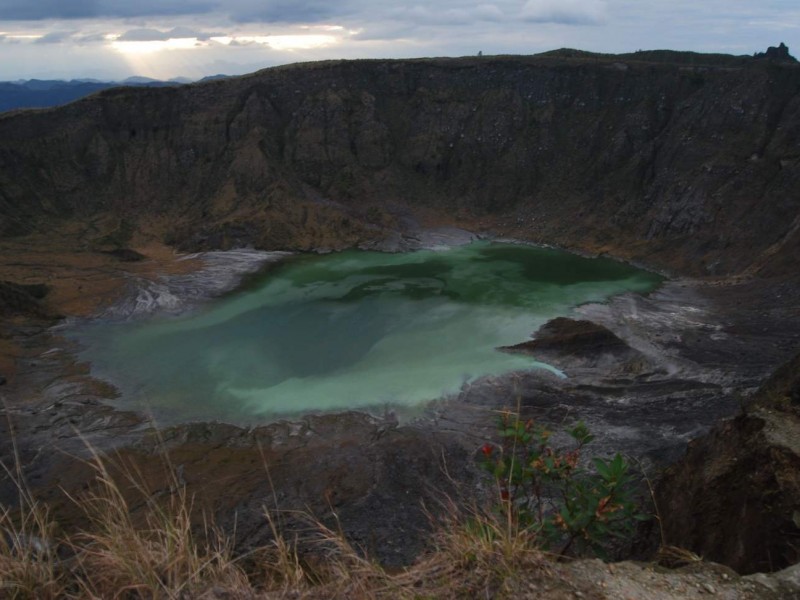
x=550 y=491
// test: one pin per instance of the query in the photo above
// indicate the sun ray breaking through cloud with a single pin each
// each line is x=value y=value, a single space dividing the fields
x=53 y=39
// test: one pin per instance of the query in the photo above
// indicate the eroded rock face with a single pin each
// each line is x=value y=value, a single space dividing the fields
x=689 y=165
x=735 y=497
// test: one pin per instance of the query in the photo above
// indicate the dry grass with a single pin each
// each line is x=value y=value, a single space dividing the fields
x=477 y=555
x=162 y=557
x=29 y=565
x=156 y=550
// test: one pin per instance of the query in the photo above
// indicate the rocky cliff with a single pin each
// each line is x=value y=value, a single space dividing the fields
x=690 y=165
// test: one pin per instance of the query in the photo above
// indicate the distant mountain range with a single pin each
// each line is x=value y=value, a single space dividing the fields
x=40 y=93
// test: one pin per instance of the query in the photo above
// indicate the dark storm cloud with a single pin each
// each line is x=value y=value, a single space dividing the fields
x=285 y=11
x=21 y=10
x=240 y=11
x=30 y=10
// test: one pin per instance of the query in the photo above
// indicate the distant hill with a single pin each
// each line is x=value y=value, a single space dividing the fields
x=39 y=93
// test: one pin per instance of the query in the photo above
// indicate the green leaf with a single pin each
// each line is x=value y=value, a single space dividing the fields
x=602 y=468
x=618 y=466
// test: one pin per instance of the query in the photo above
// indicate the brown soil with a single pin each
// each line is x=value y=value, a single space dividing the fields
x=81 y=281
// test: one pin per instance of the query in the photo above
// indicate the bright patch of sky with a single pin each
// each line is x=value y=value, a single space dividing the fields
x=114 y=39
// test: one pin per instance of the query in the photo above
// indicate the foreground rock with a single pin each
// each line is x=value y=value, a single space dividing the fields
x=633 y=580
x=735 y=497
x=544 y=580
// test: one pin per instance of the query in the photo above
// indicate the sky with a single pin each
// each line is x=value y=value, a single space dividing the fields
x=115 y=39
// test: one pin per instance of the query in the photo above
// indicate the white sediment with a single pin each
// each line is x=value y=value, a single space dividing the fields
x=221 y=272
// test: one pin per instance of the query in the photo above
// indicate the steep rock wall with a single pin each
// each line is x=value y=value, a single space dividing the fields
x=690 y=168
x=734 y=498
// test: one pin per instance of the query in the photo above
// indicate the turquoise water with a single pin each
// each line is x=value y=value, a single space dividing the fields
x=350 y=330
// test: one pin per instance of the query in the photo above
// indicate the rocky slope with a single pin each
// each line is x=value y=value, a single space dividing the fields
x=689 y=166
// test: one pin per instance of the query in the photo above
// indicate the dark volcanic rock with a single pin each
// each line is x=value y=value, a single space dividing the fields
x=563 y=336
x=17 y=299
x=782 y=390
x=565 y=342
x=126 y=254
x=735 y=497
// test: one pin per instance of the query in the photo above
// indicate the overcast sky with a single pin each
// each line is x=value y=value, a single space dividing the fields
x=114 y=39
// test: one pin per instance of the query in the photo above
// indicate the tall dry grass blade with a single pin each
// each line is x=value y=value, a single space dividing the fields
x=29 y=564
x=159 y=554
x=475 y=553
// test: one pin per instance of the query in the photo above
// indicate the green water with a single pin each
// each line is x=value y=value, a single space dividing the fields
x=351 y=330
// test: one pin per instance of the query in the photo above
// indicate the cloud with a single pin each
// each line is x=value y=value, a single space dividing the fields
x=37 y=10
x=56 y=37
x=565 y=12
x=90 y=38
x=426 y=15
x=22 y=10
x=488 y=12
x=156 y=35
x=239 y=11
x=286 y=11
x=371 y=28
x=375 y=32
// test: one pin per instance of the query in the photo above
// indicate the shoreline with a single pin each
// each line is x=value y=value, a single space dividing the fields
x=176 y=290
x=59 y=410
x=223 y=273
